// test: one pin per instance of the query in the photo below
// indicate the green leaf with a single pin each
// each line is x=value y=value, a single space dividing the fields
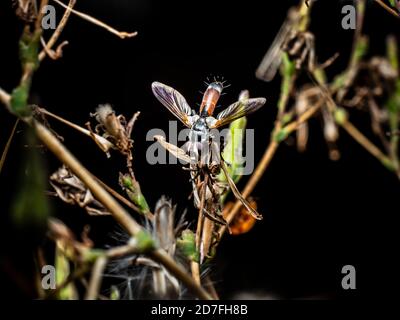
x=281 y=135
x=232 y=153
x=144 y=241
x=19 y=99
x=134 y=192
x=288 y=70
x=29 y=48
x=187 y=245
x=62 y=272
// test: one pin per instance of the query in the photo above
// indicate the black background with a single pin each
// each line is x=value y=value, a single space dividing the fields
x=318 y=215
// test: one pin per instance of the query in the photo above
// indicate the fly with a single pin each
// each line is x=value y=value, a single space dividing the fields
x=200 y=126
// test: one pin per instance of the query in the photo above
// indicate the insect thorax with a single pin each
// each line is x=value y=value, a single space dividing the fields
x=200 y=127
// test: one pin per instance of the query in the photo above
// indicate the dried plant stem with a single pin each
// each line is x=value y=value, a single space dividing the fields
x=266 y=159
x=95 y=280
x=163 y=258
x=123 y=217
x=38 y=22
x=5 y=98
x=102 y=142
x=58 y=31
x=255 y=178
x=78 y=273
x=195 y=266
x=209 y=284
x=303 y=117
x=121 y=34
x=8 y=144
x=388 y=9
x=117 y=211
x=116 y=195
x=366 y=143
x=83 y=174
x=68 y=123
x=121 y=251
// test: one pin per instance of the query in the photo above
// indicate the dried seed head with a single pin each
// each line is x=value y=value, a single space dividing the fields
x=103 y=111
x=114 y=128
x=72 y=190
x=26 y=10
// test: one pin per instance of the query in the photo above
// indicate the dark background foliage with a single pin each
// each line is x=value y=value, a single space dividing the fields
x=318 y=215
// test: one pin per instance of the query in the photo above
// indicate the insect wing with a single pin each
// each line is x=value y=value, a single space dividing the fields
x=238 y=110
x=173 y=101
x=272 y=60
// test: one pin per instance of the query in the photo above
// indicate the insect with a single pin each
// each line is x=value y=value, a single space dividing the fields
x=203 y=153
x=293 y=39
x=201 y=125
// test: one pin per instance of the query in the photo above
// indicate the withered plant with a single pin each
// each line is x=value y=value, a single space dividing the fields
x=161 y=254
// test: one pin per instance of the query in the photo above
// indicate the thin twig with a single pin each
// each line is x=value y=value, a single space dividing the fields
x=265 y=161
x=51 y=53
x=121 y=251
x=54 y=145
x=38 y=22
x=294 y=125
x=365 y=142
x=387 y=8
x=163 y=258
x=95 y=280
x=58 y=31
x=117 y=211
x=78 y=273
x=200 y=222
x=102 y=142
x=5 y=98
x=211 y=288
x=121 y=34
x=123 y=217
x=8 y=144
x=255 y=178
x=123 y=199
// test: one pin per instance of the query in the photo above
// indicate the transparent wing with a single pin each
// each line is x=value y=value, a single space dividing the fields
x=173 y=101
x=238 y=110
x=270 y=63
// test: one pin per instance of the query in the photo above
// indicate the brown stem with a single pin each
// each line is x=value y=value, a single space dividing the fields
x=38 y=22
x=388 y=9
x=95 y=280
x=109 y=202
x=200 y=221
x=58 y=31
x=5 y=98
x=163 y=258
x=8 y=144
x=265 y=161
x=71 y=278
x=255 y=178
x=366 y=143
x=121 y=34
x=54 y=145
